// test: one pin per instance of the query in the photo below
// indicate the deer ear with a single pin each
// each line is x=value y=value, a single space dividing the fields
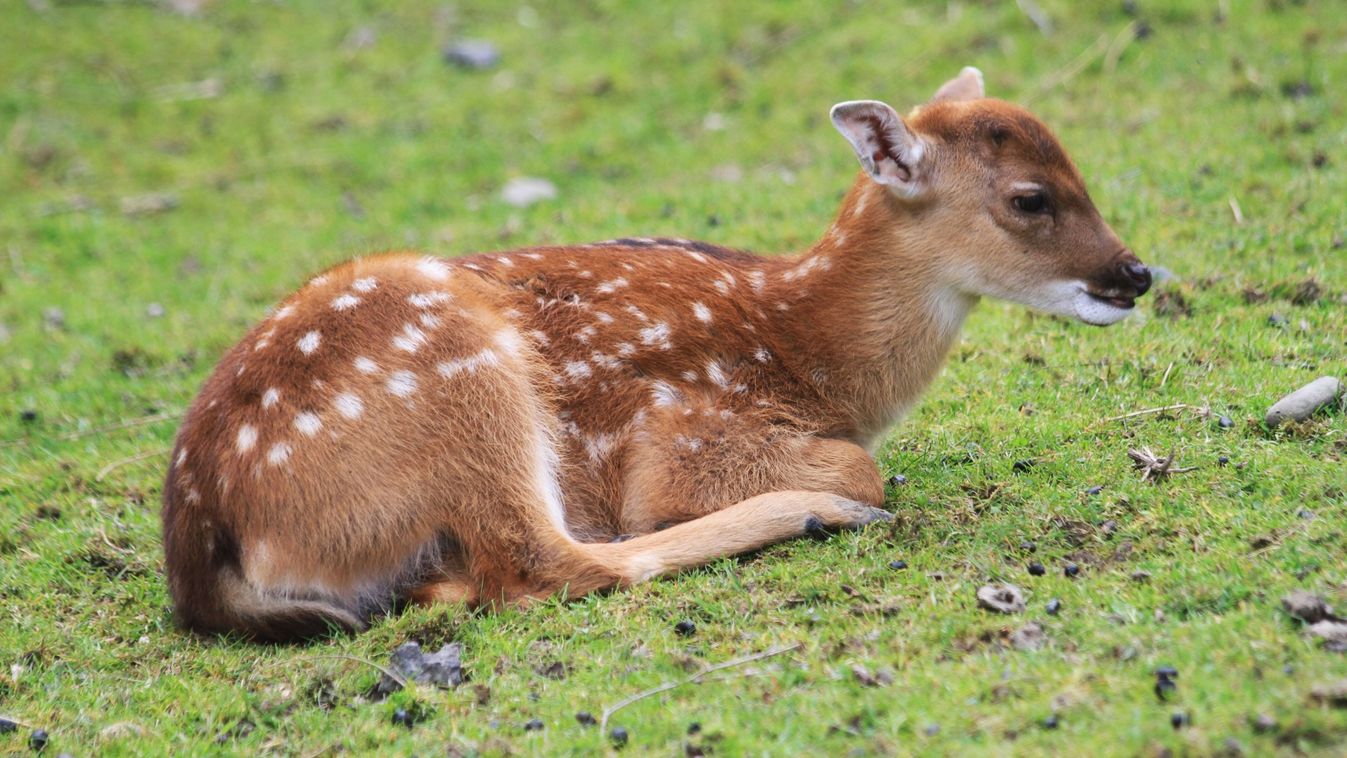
x=890 y=153
x=966 y=86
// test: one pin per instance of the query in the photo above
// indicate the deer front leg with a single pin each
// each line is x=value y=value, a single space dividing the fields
x=682 y=466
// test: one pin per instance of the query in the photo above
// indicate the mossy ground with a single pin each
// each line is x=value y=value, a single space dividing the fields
x=276 y=139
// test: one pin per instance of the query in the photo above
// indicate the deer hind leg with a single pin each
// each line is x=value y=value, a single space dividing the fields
x=746 y=526
x=683 y=466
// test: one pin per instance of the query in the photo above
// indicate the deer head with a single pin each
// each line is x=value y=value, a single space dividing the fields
x=993 y=204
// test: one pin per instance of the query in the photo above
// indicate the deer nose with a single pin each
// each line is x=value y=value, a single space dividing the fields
x=1138 y=275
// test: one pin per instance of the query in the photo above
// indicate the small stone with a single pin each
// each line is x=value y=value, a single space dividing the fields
x=1037 y=569
x=1071 y=570
x=1179 y=719
x=1305 y=513
x=897 y=565
x=1263 y=723
x=1276 y=320
x=685 y=628
x=1095 y=490
x=533 y=725
x=1020 y=467
x=1109 y=528
x=1333 y=634
x=1001 y=598
x=1222 y=460
x=154 y=310
x=474 y=54
x=1308 y=607
x=1141 y=577
x=7 y=726
x=586 y=718
x=1050 y=722
x=1232 y=746
x=1054 y=607
x=897 y=480
x=53 y=317
x=618 y=736
x=524 y=191
x=1331 y=694
x=1166 y=672
x=28 y=415
x=1028 y=546
x=38 y=740
x=1225 y=422
x=402 y=718
x=931 y=730
x=1302 y=403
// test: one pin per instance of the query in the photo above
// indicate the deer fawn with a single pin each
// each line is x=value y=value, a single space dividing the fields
x=504 y=427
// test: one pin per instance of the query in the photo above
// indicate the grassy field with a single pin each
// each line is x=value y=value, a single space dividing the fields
x=166 y=176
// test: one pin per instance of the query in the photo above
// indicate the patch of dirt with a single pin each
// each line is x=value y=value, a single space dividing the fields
x=1172 y=304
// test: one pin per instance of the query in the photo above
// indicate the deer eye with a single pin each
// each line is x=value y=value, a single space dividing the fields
x=1036 y=202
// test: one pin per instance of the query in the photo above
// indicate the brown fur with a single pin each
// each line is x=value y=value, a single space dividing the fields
x=708 y=401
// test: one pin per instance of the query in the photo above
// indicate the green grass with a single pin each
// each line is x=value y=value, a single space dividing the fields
x=307 y=149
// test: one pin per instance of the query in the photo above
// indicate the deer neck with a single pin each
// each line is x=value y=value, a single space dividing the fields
x=872 y=318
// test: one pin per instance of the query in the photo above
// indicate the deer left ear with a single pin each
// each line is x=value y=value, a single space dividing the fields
x=888 y=151
x=966 y=86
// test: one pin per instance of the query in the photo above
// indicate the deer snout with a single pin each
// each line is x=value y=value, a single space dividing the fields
x=1138 y=274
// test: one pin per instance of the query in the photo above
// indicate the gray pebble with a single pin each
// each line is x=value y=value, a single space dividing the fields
x=54 y=317
x=472 y=54
x=1302 y=403
x=527 y=190
x=154 y=310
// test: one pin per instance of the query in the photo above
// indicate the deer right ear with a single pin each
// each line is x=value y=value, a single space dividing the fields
x=889 y=152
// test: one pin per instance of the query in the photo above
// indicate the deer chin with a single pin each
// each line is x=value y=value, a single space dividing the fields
x=1074 y=299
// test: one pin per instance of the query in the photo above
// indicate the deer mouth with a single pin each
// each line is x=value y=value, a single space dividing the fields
x=1125 y=303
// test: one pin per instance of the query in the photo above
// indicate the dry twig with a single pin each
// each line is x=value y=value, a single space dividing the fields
x=697 y=677
x=1154 y=468
x=128 y=460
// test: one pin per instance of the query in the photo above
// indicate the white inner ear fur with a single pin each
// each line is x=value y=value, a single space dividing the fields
x=888 y=151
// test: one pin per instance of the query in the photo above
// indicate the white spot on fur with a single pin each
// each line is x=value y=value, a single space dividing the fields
x=504 y=260
x=348 y=405
x=182 y=457
x=626 y=349
x=689 y=376
x=757 y=280
x=319 y=280
x=428 y=299
x=470 y=364
x=402 y=383
x=603 y=360
x=410 y=340
x=509 y=341
x=193 y=496
x=308 y=424
x=696 y=256
x=533 y=256
x=270 y=398
x=612 y=286
x=637 y=312
x=309 y=342
x=429 y=321
x=366 y=366
x=345 y=302
x=433 y=268
x=761 y=355
x=284 y=312
x=578 y=370
x=664 y=394
x=246 y=439
x=702 y=313
x=278 y=454
x=716 y=374
x=539 y=337
x=585 y=334
x=365 y=284
x=657 y=336
x=603 y=317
